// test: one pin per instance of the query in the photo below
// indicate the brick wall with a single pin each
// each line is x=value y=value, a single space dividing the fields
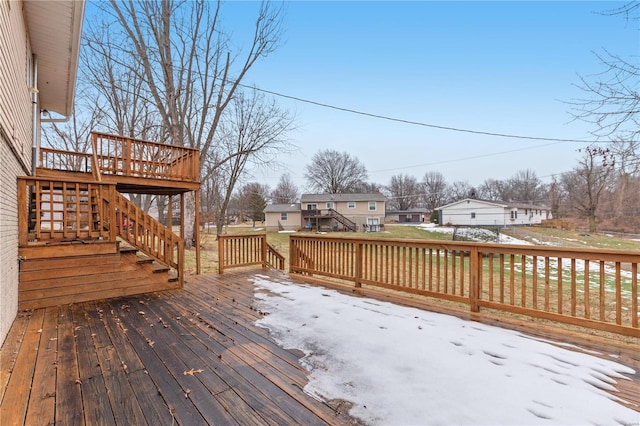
x=15 y=148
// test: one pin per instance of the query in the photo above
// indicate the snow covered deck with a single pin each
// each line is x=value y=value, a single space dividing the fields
x=201 y=355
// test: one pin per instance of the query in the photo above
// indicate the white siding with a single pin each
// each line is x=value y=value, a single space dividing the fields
x=485 y=214
x=15 y=149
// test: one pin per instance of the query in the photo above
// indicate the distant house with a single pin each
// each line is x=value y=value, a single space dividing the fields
x=283 y=217
x=343 y=212
x=416 y=215
x=472 y=212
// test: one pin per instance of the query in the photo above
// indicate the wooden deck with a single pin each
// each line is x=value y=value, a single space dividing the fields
x=189 y=356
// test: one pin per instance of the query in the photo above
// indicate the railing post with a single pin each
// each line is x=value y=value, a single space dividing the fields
x=358 y=276
x=220 y=254
x=113 y=217
x=23 y=213
x=181 y=263
x=475 y=265
x=263 y=251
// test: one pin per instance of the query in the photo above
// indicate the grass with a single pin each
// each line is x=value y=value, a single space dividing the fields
x=280 y=241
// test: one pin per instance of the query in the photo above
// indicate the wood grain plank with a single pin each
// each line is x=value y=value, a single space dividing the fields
x=41 y=409
x=13 y=409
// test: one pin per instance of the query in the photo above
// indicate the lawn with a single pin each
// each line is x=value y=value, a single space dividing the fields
x=280 y=241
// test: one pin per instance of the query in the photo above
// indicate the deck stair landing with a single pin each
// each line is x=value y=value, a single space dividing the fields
x=71 y=272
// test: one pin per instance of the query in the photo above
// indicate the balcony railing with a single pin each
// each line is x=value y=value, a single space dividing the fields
x=63 y=210
x=591 y=288
x=121 y=156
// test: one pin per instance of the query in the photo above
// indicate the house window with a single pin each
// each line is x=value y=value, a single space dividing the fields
x=514 y=214
x=372 y=206
x=283 y=216
x=329 y=205
x=312 y=207
x=473 y=215
x=351 y=204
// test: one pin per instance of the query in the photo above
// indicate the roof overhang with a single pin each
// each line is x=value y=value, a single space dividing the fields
x=54 y=28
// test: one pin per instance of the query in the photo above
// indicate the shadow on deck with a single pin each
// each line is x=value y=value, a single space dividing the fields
x=189 y=356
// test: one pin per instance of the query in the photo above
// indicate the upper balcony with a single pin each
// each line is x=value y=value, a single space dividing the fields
x=133 y=165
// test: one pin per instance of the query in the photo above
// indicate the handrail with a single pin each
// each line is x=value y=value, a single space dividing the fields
x=274 y=259
x=591 y=288
x=122 y=156
x=145 y=233
x=55 y=159
x=246 y=250
x=61 y=209
x=351 y=225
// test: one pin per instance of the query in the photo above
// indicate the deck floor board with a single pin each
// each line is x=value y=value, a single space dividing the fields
x=192 y=356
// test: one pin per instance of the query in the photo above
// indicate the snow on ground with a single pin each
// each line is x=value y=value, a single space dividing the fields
x=402 y=366
x=474 y=234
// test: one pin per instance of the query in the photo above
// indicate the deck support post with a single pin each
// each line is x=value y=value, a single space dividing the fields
x=197 y=230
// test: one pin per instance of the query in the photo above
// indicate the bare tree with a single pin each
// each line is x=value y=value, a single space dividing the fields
x=286 y=192
x=459 y=190
x=186 y=61
x=492 y=190
x=435 y=190
x=404 y=192
x=612 y=104
x=255 y=128
x=525 y=187
x=586 y=184
x=334 y=172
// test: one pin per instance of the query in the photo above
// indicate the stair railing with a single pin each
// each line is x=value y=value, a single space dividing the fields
x=348 y=223
x=144 y=232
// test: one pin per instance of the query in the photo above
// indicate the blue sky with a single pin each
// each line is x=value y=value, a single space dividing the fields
x=503 y=67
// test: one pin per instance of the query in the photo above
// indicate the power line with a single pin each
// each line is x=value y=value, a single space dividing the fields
x=464 y=158
x=417 y=123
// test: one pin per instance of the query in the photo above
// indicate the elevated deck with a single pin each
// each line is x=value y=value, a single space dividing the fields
x=134 y=165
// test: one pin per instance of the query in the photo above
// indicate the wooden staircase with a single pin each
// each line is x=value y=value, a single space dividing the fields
x=63 y=273
x=81 y=239
x=348 y=224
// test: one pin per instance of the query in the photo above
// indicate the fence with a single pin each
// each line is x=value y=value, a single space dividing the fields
x=586 y=287
x=245 y=250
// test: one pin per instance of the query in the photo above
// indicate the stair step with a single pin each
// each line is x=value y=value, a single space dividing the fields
x=158 y=268
x=128 y=249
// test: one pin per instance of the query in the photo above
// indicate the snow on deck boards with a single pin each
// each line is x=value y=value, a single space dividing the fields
x=192 y=355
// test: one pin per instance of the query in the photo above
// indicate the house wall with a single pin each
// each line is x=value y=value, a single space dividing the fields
x=488 y=215
x=15 y=149
x=485 y=214
x=359 y=214
x=293 y=222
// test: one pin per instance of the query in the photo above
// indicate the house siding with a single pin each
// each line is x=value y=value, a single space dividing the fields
x=15 y=150
x=476 y=213
x=292 y=223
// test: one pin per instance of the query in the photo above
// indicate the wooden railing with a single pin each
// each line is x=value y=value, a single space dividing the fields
x=586 y=287
x=118 y=155
x=246 y=250
x=274 y=259
x=55 y=159
x=141 y=230
x=63 y=210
